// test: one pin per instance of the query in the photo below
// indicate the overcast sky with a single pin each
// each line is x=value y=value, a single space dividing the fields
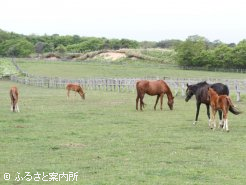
x=152 y=20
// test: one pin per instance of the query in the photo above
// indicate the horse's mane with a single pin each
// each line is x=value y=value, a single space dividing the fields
x=168 y=88
x=200 y=84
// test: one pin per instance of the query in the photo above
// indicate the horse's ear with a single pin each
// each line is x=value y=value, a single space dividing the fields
x=187 y=85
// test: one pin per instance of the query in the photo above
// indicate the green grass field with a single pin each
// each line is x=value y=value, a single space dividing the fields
x=108 y=142
x=134 y=69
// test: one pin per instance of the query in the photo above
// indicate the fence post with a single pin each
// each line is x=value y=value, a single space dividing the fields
x=237 y=91
x=176 y=87
x=118 y=85
x=183 y=89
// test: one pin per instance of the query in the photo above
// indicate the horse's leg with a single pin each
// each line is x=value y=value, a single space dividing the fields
x=68 y=91
x=14 y=106
x=208 y=114
x=225 y=119
x=74 y=95
x=11 y=107
x=137 y=99
x=227 y=127
x=213 y=118
x=17 y=107
x=198 y=104
x=141 y=102
x=161 y=100
x=221 y=121
x=157 y=99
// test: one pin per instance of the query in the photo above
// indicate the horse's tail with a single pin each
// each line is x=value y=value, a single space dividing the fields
x=232 y=108
x=13 y=94
x=137 y=84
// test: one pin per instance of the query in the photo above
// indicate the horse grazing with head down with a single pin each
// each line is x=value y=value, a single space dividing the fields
x=200 y=90
x=221 y=102
x=76 y=88
x=152 y=88
x=14 y=99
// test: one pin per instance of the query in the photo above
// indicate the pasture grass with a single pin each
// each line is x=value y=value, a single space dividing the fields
x=131 y=69
x=107 y=141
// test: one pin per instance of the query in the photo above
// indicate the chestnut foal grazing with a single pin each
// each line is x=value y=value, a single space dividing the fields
x=76 y=88
x=14 y=99
x=221 y=102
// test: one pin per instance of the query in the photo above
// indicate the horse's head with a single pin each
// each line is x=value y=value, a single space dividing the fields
x=82 y=94
x=170 y=102
x=190 y=91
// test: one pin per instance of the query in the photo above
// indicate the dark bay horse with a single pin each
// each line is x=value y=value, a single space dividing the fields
x=223 y=103
x=200 y=90
x=14 y=95
x=152 y=88
x=76 y=88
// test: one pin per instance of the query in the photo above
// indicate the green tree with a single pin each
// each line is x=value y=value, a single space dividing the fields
x=17 y=47
x=126 y=43
x=61 y=49
x=190 y=51
x=39 y=47
x=239 y=55
x=168 y=43
x=222 y=56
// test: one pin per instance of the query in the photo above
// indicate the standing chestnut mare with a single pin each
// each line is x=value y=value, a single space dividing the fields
x=221 y=102
x=152 y=88
x=14 y=99
x=76 y=88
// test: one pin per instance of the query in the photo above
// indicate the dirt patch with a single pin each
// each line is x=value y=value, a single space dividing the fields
x=52 y=58
x=19 y=126
x=112 y=55
x=73 y=145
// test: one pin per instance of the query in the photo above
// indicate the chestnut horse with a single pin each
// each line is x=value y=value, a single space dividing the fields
x=152 y=88
x=76 y=88
x=14 y=99
x=221 y=102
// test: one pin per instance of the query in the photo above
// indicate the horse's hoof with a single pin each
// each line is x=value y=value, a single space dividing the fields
x=194 y=123
x=228 y=131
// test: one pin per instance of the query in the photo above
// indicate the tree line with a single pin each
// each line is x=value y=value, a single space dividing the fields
x=195 y=51
x=13 y=44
